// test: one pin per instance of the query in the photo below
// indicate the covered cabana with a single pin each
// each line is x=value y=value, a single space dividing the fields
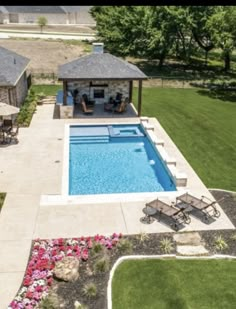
x=100 y=76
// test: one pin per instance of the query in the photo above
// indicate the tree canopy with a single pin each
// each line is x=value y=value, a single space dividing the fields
x=42 y=22
x=154 y=32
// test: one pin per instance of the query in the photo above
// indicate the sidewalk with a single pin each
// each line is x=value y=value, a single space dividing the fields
x=46 y=35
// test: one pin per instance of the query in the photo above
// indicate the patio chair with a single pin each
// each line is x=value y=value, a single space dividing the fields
x=13 y=134
x=7 y=125
x=85 y=110
x=122 y=107
x=178 y=216
x=87 y=102
x=206 y=206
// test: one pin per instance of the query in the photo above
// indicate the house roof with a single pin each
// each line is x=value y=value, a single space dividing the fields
x=99 y=66
x=76 y=8
x=12 y=65
x=2 y=9
x=35 y=9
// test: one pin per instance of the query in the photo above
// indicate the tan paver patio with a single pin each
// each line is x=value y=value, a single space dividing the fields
x=29 y=170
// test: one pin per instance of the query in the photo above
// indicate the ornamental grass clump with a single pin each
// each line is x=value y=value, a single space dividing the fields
x=220 y=243
x=102 y=265
x=124 y=246
x=97 y=248
x=90 y=290
x=142 y=237
x=51 y=301
x=166 y=245
x=233 y=237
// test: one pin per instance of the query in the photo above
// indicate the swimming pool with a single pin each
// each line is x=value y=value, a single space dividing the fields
x=108 y=159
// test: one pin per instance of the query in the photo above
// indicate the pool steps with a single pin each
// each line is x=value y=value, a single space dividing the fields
x=179 y=177
x=89 y=139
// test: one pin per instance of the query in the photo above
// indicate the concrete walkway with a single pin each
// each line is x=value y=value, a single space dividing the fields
x=33 y=168
x=64 y=36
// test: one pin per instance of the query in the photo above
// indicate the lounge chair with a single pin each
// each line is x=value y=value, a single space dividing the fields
x=205 y=205
x=85 y=110
x=177 y=215
x=122 y=107
x=87 y=102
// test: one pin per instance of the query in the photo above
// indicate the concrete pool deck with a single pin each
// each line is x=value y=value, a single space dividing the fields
x=33 y=168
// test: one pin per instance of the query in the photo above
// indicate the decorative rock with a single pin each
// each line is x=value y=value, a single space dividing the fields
x=192 y=250
x=77 y=304
x=192 y=238
x=67 y=269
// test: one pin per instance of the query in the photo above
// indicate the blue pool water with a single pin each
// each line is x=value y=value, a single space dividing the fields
x=114 y=159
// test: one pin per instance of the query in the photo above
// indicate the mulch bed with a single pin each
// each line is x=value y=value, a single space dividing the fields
x=70 y=292
x=229 y=207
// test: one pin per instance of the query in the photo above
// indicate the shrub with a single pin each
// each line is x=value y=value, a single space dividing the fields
x=143 y=236
x=166 y=245
x=125 y=246
x=220 y=243
x=233 y=237
x=51 y=301
x=27 y=109
x=2 y=198
x=101 y=265
x=97 y=248
x=90 y=290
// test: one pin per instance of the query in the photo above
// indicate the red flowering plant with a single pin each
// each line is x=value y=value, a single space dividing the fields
x=45 y=253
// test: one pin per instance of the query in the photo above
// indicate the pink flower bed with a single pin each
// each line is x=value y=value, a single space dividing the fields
x=45 y=253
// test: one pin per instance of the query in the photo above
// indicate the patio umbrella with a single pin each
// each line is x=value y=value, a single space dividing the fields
x=7 y=110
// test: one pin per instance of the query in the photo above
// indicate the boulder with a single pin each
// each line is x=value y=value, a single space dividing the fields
x=67 y=269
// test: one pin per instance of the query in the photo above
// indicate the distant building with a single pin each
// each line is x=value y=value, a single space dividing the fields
x=13 y=78
x=70 y=15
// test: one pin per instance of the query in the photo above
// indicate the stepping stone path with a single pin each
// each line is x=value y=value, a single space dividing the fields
x=190 y=244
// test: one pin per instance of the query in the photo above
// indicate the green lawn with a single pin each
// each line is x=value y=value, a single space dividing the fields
x=203 y=128
x=46 y=89
x=172 y=284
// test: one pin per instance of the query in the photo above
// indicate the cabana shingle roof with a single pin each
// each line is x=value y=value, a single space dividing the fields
x=99 y=66
x=12 y=65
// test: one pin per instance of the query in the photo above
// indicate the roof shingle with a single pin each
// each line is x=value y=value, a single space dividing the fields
x=12 y=65
x=99 y=66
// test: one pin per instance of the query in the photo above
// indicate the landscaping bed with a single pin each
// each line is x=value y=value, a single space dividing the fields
x=27 y=109
x=97 y=255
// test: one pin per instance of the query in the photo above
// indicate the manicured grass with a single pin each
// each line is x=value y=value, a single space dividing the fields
x=46 y=89
x=167 y=284
x=2 y=198
x=202 y=127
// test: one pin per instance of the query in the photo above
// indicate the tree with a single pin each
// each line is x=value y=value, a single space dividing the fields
x=223 y=29
x=199 y=16
x=138 y=31
x=42 y=22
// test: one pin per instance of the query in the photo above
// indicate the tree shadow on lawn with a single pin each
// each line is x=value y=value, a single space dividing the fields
x=223 y=95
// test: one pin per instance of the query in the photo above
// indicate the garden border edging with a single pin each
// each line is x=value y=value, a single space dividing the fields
x=139 y=257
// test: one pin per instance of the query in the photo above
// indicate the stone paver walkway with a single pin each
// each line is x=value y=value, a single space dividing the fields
x=190 y=244
x=33 y=168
